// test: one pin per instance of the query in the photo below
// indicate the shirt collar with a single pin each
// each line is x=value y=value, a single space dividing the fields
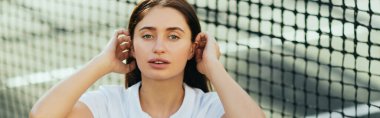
x=185 y=109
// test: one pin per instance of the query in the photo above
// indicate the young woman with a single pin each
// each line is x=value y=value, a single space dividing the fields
x=170 y=64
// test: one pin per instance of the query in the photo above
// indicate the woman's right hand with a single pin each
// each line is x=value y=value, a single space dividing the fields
x=69 y=90
x=117 y=50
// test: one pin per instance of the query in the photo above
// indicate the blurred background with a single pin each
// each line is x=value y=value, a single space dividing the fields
x=296 y=58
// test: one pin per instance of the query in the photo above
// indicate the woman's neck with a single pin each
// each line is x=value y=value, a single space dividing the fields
x=161 y=98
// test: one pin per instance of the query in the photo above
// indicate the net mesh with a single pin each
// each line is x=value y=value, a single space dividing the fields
x=315 y=58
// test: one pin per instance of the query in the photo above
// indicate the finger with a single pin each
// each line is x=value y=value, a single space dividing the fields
x=210 y=37
x=123 y=54
x=199 y=40
x=120 y=34
x=114 y=40
x=118 y=48
x=121 y=31
x=213 y=43
x=122 y=50
x=119 y=55
x=198 y=37
x=117 y=36
x=121 y=38
x=198 y=55
x=129 y=42
x=203 y=41
x=124 y=44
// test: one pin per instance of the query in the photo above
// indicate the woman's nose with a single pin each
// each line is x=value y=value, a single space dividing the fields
x=159 y=46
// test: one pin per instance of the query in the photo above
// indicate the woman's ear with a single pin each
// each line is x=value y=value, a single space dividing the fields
x=192 y=51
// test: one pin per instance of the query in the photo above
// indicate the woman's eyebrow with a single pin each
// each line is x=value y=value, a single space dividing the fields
x=147 y=28
x=175 y=28
x=168 y=29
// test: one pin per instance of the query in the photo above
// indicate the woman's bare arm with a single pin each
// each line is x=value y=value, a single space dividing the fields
x=236 y=102
x=62 y=100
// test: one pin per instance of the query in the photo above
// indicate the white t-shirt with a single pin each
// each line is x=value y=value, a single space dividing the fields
x=114 y=101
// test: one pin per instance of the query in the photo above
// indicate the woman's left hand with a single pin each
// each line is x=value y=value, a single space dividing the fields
x=236 y=102
x=207 y=52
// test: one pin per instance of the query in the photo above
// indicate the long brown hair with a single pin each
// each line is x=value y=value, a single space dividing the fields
x=192 y=76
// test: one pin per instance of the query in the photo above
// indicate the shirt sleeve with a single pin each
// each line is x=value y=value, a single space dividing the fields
x=212 y=105
x=96 y=101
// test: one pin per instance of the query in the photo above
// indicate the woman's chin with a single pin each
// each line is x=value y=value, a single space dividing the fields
x=159 y=76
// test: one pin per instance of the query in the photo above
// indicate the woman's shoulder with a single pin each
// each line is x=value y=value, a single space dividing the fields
x=107 y=100
x=203 y=95
x=203 y=98
x=105 y=93
x=111 y=89
x=205 y=104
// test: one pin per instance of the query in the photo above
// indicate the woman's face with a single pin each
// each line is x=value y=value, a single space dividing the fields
x=162 y=44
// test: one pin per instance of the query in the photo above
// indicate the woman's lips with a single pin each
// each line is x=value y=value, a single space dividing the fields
x=158 y=63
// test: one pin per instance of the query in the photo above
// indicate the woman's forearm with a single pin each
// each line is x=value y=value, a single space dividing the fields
x=60 y=99
x=236 y=102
